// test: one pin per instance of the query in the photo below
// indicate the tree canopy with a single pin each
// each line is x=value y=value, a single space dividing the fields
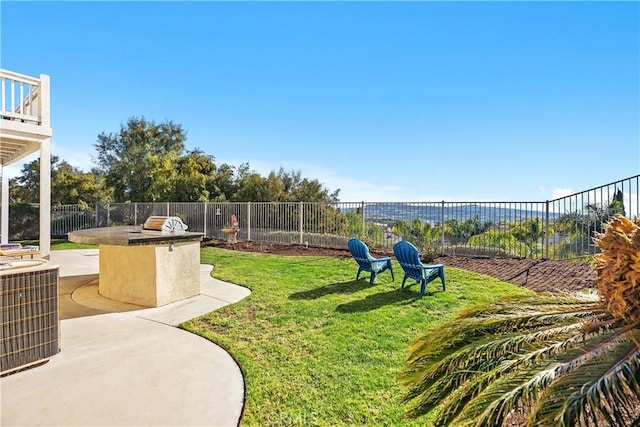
x=139 y=162
x=147 y=161
x=69 y=185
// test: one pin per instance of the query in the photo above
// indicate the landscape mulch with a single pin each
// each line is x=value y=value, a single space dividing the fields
x=539 y=275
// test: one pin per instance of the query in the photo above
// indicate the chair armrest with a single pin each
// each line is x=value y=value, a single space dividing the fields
x=433 y=266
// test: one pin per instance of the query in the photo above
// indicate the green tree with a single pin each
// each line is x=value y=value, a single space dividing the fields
x=617 y=203
x=145 y=162
x=223 y=186
x=290 y=180
x=459 y=232
x=500 y=240
x=281 y=186
x=69 y=185
x=139 y=162
x=24 y=221
x=25 y=188
x=582 y=226
x=253 y=187
x=195 y=178
x=298 y=189
x=311 y=190
x=420 y=233
x=372 y=233
x=528 y=232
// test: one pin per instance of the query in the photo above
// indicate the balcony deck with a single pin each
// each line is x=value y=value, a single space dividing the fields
x=25 y=120
x=25 y=128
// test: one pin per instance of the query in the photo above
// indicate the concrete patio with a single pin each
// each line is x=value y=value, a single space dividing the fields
x=124 y=365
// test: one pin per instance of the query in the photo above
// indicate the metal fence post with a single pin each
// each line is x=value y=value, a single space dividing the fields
x=546 y=231
x=204 y=222
x=364 y=224
x=167 y=208
x=249 y=221
x=135 y=213
x=97 y=206
x=442 y=225
x=300 y=221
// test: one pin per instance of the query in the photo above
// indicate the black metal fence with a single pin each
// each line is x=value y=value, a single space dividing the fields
x=562 y=228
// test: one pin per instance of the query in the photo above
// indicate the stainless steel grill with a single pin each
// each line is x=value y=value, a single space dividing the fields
x=170 y=224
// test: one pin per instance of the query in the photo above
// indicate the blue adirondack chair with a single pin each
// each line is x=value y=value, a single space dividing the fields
x=360 y=252
x=409 y=259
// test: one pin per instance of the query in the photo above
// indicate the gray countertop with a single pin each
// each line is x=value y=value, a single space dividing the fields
x=129 y=235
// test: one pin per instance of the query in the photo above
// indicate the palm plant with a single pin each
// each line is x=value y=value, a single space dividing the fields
x=582 y=226
x=421 y=234
x=546 y=360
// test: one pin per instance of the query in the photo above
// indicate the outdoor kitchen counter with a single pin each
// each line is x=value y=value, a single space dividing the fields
x=149 y=268
x=126 y=235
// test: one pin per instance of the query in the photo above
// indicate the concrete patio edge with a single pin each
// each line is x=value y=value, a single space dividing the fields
x=127 y=366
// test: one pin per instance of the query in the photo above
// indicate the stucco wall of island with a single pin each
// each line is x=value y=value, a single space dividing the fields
x=145 y=267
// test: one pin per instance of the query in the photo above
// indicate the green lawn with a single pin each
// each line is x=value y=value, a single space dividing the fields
x=318 y=348
x=59 y=244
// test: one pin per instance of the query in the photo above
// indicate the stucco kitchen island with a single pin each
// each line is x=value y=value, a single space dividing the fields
x=146 y=267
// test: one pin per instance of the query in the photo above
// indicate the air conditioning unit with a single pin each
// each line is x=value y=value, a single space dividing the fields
x=29 y=318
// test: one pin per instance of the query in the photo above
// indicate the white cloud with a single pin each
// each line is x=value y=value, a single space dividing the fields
x=352 y=189
x=561 y=192
x=79 y=159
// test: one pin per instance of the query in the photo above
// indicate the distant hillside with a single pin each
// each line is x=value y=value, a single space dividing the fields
x=432 y=213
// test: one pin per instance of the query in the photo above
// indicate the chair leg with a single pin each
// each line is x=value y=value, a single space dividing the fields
x=393 y=279
x=441 y=274
x=404 y=280
x=358 y=274
x=373 y=277
x=423 y=287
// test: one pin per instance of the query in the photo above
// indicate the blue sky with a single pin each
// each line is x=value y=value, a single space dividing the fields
x=387 y=101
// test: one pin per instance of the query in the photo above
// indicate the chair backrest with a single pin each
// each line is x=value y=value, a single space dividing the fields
x=359 y=252
x=409 y=259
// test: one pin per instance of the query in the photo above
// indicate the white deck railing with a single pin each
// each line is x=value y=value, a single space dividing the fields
x=24 y=98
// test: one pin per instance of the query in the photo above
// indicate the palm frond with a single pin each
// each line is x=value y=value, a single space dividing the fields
x=530 y=356
x=620 y=384
x=432 y=352
x=455 y=388
x=576 y=372
x=472 y=325
x=479 y=357
x=520 y=382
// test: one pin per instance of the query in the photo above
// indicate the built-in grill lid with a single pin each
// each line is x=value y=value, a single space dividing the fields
x=171 y=224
